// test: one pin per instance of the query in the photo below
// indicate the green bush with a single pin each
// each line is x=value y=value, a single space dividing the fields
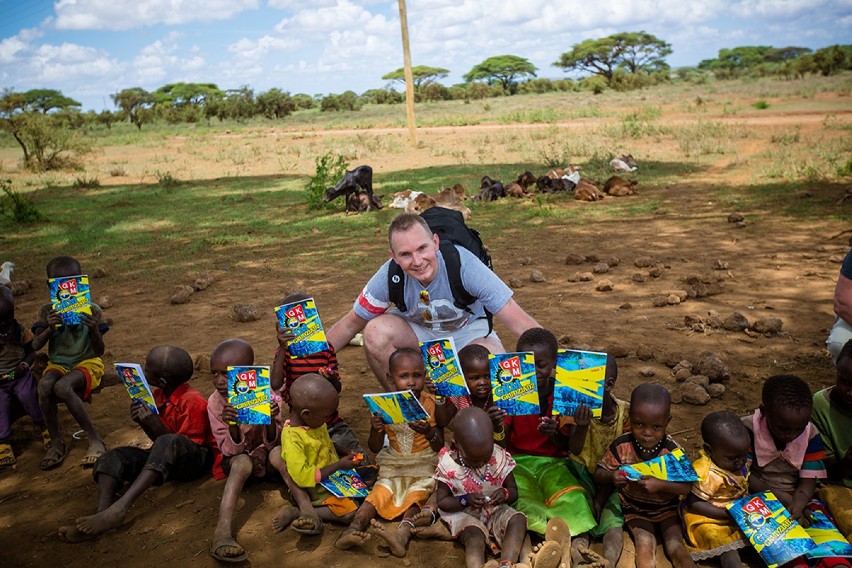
x=760 y=105
x=19 y=208
x=330 y=168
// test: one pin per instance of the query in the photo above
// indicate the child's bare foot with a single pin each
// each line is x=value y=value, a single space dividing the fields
x=438 y=530
x=491 y=564
x=587 y=558
x=350 y=538
x=391 y=538
x=546 y=555
x=284 y=517
x=99 y=523
x=70 y=534
x=424 y=517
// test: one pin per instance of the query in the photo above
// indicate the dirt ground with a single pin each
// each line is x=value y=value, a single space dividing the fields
x=774 y=266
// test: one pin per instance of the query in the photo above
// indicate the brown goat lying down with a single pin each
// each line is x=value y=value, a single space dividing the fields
x=586 y=191
x=515 y=189
x=423 y=202
x=620 y=187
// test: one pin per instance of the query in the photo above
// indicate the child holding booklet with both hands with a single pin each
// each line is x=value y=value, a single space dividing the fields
x=406 y=466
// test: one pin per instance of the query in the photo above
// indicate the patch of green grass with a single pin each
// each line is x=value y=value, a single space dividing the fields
x=760 y=105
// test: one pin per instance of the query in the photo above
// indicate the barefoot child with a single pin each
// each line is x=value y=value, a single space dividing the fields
x=475 y=490
x=787 y=451
x=16 y=378
x=310 y=456
x=406 y=466
x=74 y=370
x=473 y=360
x=183 y=448
x=245 y=447
x=649 y=502
x=590 y=438
x=723 y=478
x=546 y=489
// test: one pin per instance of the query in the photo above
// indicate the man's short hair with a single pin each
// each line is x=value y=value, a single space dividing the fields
x=404 y=222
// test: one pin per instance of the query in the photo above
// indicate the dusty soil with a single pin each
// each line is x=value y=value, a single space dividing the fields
x=776 y=266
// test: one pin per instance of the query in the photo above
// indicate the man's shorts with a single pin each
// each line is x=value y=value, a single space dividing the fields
x=840 y=334
x=92 y=369
x=476 y=329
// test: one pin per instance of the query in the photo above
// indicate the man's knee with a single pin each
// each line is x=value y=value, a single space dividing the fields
x=386 y=329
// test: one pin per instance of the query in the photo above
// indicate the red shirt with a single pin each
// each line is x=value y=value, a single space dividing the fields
x=526 y=439
x=185 y=413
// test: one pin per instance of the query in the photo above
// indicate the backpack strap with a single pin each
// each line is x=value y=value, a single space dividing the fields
x=396 y=286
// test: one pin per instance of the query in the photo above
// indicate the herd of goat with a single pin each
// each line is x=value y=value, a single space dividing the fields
x=357 y=188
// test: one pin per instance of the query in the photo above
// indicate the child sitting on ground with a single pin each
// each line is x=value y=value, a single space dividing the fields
x=473 y=361
x=590 y=438
x=406 y=465
x=475 y=490
x=183 y=447
x=245 y=447
x=723 y=478
x=648 y=502
x=310 y=456
x=286 y=369
x=16 y=378
x=73 y=372
x=832 y=414
x=539 y=445
x=787 y=451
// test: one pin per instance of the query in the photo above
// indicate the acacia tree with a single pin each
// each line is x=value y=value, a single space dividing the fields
x=632 y=51
x=505 y=69
x=134 y=103
x=423 y=74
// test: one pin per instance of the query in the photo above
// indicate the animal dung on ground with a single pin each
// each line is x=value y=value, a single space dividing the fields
x=585 y=276
x=601 y=268
x=245 y=313
x=613 y=261
x=644 y=262
x=735 y=218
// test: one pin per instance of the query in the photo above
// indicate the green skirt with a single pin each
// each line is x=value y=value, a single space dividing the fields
x=546 y=489
x=611 y=517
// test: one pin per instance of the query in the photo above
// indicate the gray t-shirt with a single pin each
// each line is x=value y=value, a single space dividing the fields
x=432 y=306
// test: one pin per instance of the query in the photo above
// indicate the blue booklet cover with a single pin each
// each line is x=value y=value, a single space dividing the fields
x=513 y=382
x=442 y=364
x=674 y=466
x=396 y=407
x=133 y=377
x=70 y=297
x=248 y=393
x=303 y=321
x=580 y=377
x=346 y=483
x=829 y=541
x=775 y=536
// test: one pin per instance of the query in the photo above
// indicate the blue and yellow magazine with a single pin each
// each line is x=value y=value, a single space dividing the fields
x=829 y=541
x=346 y=483
x=513 y=382
x=137 y=386
x=302 y=320
x=580 y=377
x=442 y=364
x=248 y=393
x=775 y=536
x=70 y=297
x=674 y=466
x=396 y=407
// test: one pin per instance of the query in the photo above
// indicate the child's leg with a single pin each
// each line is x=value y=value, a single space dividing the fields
x=674 y=545
x=645 y=541
x=47 y=402
x=428 y=515
x=224 y=545
x=67 y=389
x=7 y=456
x=613 y=542
x=357 y=533
x=474 y=547
x=24 y=389
x=307 y=515
x=397 y=540
x=513 y=540
x=731 y=559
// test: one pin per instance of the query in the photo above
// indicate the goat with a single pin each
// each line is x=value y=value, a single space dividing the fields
x=526 y=179
x=515 y=189
x=424 y=201
x=625 y=163
x=355 y=181
x=490 y=190
x=401 y=199
x=586 y=191
x=619 y=187
x=360 y=202
x=6 y=272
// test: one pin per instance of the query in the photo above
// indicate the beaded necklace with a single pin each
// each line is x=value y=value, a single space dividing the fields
x=475 y=471
x=651 y=452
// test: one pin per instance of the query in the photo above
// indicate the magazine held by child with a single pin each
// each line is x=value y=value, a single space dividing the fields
x=70 y=297
x=248 y=393
x=137 y=386
x=396 y=407
x=513 y=382
x=830 y=541
x=674 y=466
x=442 y=364
x=303 y=321
x=775 y=536
x=580 y=377
x=345 y=483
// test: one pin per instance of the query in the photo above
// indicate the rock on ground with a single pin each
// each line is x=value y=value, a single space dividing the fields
x=644 y=262
x=98 y=273
x=601 y=268
x=736 y=322
x=693 y=393
x=573 y=258
x=182 y=294
x=617 y=351
x=537 y=276
x=644 y=353
x=245 y=313
x=713 y=367
x=715 y=390
x=647 y=372
x=105 y=302
x=768 y=326
x=736 y=218
x=604 y=286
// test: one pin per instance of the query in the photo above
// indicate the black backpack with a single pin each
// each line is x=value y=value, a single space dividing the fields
x=451 y=229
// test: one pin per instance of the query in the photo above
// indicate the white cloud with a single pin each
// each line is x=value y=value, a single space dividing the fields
x=126 y=14
x=255 y=49
x=343 y=15
x=165 y=60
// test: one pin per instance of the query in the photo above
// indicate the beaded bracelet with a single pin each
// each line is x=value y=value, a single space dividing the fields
x=433 y=437
x=463 y=500
x=500 y=436
x=440 y=401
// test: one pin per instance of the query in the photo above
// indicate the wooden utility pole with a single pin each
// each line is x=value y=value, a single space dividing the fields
x=409 y=78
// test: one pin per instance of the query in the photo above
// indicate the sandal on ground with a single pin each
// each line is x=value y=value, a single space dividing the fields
x=46 y=440
x=53 y=458
x=226 y=542
x=316 y=530
x=7 y=456
x=90 y=458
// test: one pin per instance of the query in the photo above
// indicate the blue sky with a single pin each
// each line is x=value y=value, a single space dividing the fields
x=89 y=49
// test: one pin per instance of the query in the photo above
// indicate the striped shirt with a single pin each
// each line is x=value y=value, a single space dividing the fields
x=295 y=367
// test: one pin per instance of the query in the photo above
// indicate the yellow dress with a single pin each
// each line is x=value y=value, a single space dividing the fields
x=706 y=537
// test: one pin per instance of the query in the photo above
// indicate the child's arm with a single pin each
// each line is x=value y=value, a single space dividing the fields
x=609 y=477
x=804 y=493
x=270 y=433
x=276 y=374
x=452 y=504
x=433 y=434
x=444 y=412
x=94 y=333
x=29 y=352
x=346 y=462
x=698 y=506
x=45 y=328
x=654 y=485
x=147 y=420
x=549 y=426
x=508 y=493
x=377 y=434
x=507 y=433
x=582 y=419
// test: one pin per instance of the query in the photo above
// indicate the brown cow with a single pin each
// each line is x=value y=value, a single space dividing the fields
x=620 y=187
x=423 y=202
x=515 y=189
x=526 y=179
x=586 y=191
